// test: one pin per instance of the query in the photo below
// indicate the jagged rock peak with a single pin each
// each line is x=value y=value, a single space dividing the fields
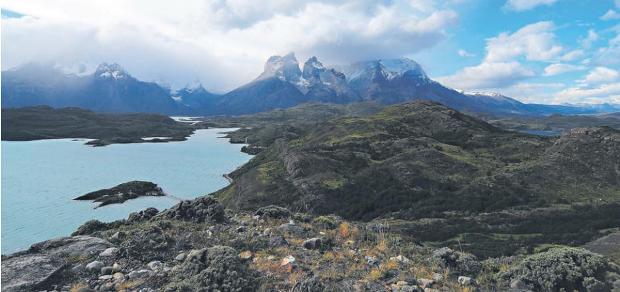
x=113 y=70
x=285 y=68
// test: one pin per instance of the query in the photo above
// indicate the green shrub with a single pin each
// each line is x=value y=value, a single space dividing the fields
x=561 y=269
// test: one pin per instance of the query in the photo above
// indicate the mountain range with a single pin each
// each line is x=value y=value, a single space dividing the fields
x=282 y=84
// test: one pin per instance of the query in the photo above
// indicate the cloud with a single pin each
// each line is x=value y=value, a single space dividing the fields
x=605 y=93
x=465 y=54
x=572 y=55
x=488 y=75
x=610 y=15
x=534 y=41
x=589 y=39
x=601 y=75
x=223 y=43
x=500 y=67
x=560 y=68
x=533 y=92
x=522 y=5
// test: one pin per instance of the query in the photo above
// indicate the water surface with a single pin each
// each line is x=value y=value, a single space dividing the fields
x=40 y=179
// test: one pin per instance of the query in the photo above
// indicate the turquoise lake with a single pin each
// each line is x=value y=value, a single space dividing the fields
x=40 y=179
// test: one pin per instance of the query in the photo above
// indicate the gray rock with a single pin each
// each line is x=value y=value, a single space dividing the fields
x=291 y=228
x=105 y=277
x=140 y=274
x=312 y=243
x=106 y=270
x=372 y=261
x=109 y=252
x=273 y=211
x=94 y=266
x=466 y=281
x=116 y=267
x=276 y=241
x=180 y=257
x=155 y=266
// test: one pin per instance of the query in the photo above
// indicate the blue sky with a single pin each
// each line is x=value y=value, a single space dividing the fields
x=544 y=51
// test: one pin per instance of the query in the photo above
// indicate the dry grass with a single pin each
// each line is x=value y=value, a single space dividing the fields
x=77 y=286
x=129 y=285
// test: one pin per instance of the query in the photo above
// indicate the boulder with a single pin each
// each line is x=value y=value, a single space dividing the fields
x=142 y=215
x=95 y=266
x=203 y=209
x=44 y=264
x=273 y=211
x=109 y=252
x=312 y=243
x=466 y=281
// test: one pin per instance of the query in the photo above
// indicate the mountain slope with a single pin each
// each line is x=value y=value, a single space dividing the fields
x=110 y=88
x=424 y=160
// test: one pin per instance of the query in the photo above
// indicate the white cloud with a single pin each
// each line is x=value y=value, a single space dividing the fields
x=465 y=54
x=534 y=41
x=522 y=5
x=605 y=93
x=500 y=68
x=560 y=68
x=572 y=55
x=601 y=75
x=488 y=75
x=589 y=39
x=533 y=92
x=610 y=15
x=222 y=42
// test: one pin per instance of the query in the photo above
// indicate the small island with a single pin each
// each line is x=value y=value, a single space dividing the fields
x=44 y=122
x=123 y=192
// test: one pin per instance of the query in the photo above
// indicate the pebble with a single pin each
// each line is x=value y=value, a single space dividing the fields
x=287 y=260
x=180 y=257
x=466 y=281
x=118 y=276
x=94 y=266
x=155 y=266
x=139 y=274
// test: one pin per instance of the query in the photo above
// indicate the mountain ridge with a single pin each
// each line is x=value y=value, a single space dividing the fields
x=282 y=84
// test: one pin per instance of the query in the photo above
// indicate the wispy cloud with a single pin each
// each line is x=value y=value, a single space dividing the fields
x=522 y=5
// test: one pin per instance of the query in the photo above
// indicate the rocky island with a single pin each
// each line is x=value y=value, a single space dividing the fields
x=123 y=192
x=44 y=122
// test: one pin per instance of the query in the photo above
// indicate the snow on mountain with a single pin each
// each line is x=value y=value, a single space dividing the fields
x=113 y=71
x=285 y=68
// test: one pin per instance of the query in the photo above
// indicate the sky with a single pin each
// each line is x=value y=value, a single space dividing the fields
x=537 y=51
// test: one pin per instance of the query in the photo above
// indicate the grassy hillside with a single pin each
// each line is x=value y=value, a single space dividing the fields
x=422 y=160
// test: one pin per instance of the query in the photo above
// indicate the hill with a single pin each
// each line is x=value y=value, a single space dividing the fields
x=424 y=164
x=43 y=122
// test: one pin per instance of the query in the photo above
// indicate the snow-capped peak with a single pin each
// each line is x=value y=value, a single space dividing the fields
x=388 y=68
x=285 y=68
x=114 y=71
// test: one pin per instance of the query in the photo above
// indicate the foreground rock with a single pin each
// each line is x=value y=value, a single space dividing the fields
x=123 y=192
x=198 y=245
x=46 y=263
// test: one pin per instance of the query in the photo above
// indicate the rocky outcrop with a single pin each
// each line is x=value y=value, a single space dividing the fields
x=217 y=268
x=123 y=192
x=46 y=263
x=203 y=209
